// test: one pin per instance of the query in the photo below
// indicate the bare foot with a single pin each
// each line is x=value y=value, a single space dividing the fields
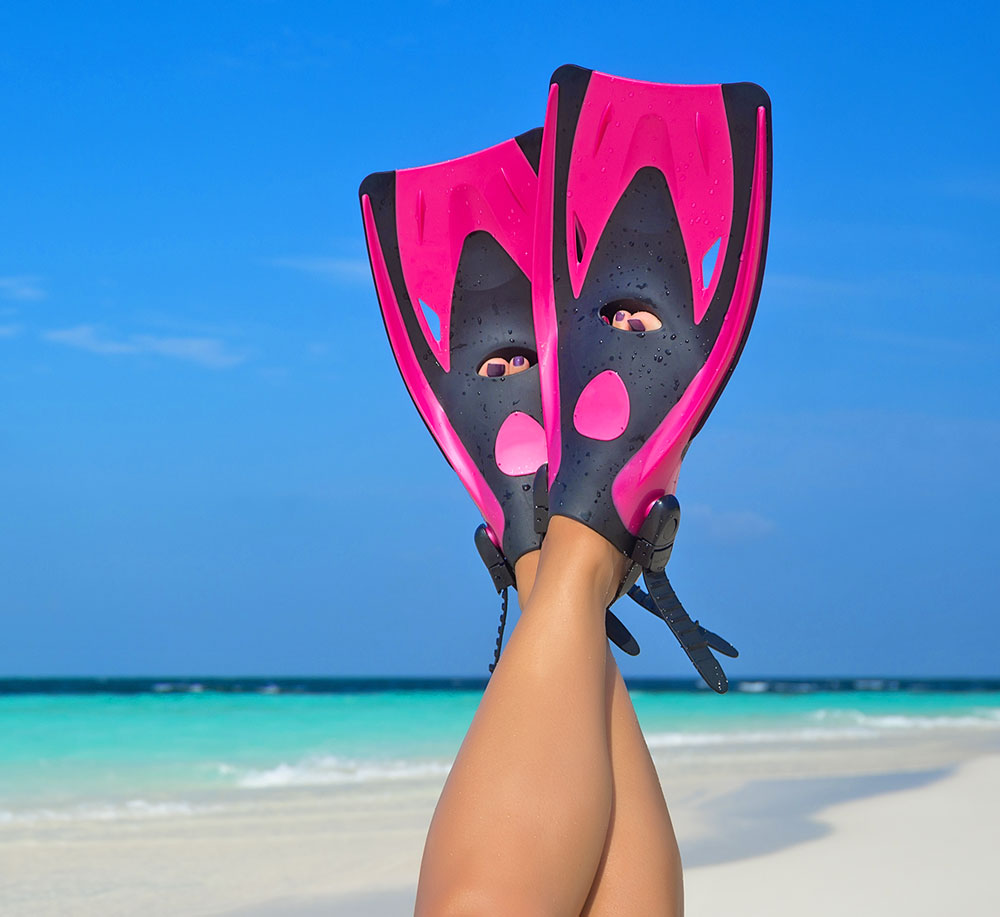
x=498 y=366
x=640 y=320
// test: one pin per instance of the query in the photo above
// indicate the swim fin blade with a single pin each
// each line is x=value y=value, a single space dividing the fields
x=450 y=247
x=653 y=198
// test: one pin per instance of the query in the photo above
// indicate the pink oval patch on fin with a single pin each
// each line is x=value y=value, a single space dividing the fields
x=520 y=445
x=603 y=408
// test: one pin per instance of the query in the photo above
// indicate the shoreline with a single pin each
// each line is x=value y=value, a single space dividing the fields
x=813 y=828
x=794 y=810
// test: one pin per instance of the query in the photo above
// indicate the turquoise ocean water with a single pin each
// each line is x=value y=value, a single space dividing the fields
x=110 y=750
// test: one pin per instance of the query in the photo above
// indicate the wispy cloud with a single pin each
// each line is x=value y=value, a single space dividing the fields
x=9 y=331
x=22 y=287
x=210 y=352
x=730 y=525
x=355 y=270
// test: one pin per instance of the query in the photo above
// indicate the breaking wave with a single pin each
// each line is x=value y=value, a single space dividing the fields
x=327 y=770
x=983 y=718
x=131 y=810
x=832 y=725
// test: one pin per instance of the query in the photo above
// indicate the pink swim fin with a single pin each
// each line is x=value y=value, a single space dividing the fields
x=656 y=198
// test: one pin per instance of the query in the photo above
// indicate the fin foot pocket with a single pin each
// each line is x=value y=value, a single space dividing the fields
x=502 y=575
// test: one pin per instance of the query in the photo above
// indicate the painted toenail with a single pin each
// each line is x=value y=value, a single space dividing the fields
x=636 y=324
x=619 y=316
x=518 y=361
x=494 y=369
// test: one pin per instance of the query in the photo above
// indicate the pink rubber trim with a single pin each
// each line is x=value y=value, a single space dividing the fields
x=520 y=446
x=603 y=408
x=423 y=396
x=542 y=288
x=653 y=470
x=438 y=206
x=682 y=131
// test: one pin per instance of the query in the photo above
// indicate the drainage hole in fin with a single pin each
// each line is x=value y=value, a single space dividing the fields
x=630 y=315
x=507 y=361
x=708 y=263
x=581 y=238
x=433 y=320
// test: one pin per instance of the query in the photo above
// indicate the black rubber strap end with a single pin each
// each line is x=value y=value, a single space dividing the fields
x=695 y=640
x=620 y=635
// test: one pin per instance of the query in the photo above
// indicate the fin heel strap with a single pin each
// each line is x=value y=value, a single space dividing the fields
x=502 y=574
x=696 y=641
x=650 y=554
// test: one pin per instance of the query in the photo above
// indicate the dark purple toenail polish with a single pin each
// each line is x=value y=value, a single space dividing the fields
x=619 y=316
x=494 y=369
x=636 y=324
x=518 y=361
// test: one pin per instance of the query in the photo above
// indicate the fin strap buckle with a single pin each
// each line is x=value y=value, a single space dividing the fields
x=655 y=541
x=499 y=569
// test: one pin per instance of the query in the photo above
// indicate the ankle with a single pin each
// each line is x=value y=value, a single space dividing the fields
x=584 y=557
x=525 y=571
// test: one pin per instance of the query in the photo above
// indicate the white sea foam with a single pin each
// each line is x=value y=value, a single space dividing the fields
x=133 y=809
x=328 y=769
x=754 y=737
x=836 y=725
x=984 y=718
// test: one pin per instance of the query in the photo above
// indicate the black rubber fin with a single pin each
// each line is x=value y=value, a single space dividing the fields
x=540 y=491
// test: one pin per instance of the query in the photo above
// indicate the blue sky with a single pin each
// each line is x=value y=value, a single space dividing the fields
x=208 y=463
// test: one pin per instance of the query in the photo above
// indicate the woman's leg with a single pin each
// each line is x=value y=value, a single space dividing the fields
x=522 y=823
x=640 y=871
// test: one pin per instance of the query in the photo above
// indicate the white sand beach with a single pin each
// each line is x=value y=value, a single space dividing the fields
x=926 y=851
x=909 y=827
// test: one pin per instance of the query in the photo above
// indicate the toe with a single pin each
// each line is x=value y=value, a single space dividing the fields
x=494 y=366
x=518 y=364
x=648 y=321
x=621 y=319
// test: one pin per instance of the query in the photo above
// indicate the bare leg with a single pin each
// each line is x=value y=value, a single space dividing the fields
x=640 y=871
x=522 y=823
